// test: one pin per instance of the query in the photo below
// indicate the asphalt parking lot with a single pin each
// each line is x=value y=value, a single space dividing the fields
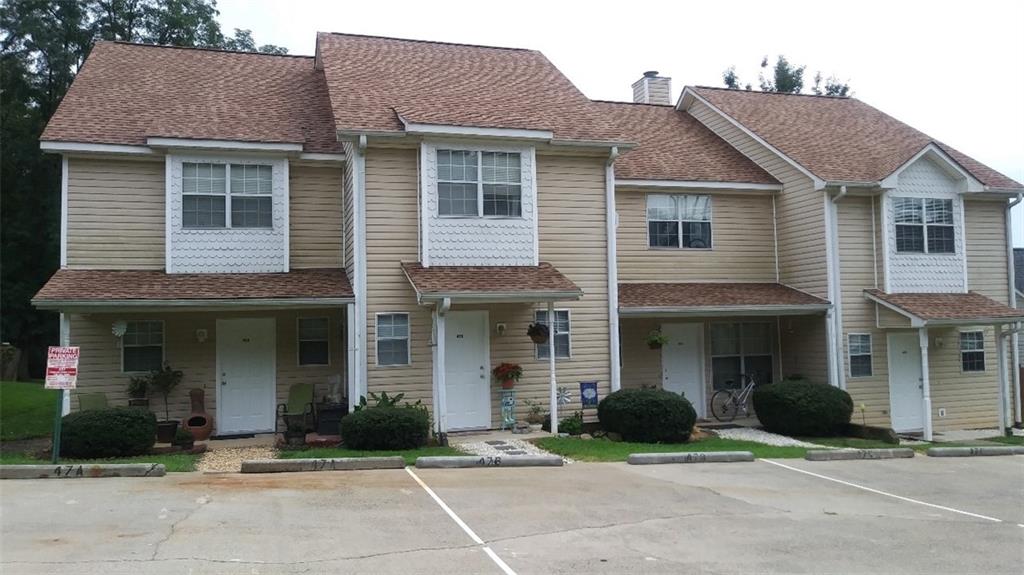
x=897 y=516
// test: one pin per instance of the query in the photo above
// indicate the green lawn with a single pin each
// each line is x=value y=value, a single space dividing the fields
x=173 y=462
x=604 y=450
x=1008 y=440
x=409 y=455
x=26 y=410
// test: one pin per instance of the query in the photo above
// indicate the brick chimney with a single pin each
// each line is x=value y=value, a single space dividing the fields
x=652 y=89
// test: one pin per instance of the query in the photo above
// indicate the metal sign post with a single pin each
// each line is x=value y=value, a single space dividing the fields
x=62 y=375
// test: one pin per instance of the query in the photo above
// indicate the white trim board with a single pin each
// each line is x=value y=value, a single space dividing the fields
x=86 y=147
x=745 y=186
x=223 y=145
x=474 y=131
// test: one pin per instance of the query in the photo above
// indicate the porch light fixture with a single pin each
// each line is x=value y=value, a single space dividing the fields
x=500 y=328
x=119 y=327
x=201 y=335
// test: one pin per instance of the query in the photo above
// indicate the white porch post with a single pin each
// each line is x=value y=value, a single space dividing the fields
x=926 y=391
x=551 y=366
x=1004 y=396
x=441 y=408
x=351 y=370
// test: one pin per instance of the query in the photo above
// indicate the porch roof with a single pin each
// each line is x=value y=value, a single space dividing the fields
x=91 y=289
x=490 y=284
x=696 y=299
x=969 y=308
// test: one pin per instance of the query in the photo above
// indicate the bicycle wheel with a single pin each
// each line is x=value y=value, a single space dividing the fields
x=723 y=405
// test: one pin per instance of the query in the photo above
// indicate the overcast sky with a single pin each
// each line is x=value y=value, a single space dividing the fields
x=952 y=70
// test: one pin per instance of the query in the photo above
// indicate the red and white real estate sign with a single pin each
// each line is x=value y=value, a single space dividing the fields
x=61 y=367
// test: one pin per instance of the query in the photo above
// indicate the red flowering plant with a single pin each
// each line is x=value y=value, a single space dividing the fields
x=508 y=374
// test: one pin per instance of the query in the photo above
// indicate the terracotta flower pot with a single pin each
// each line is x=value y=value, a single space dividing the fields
x=508 y=384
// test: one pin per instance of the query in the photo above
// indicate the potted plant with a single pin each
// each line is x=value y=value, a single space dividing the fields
x=534 y=416
x=508 y=374
x=137 y=387
x=184 y=439
x=655 y=339
x=538 y=332
x=163 y=381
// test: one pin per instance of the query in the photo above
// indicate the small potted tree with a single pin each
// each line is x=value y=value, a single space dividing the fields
x=534 y=415
x=163 y=381
x=508 y=374
x=538 y=332
x=137 y=387
x=655 y=339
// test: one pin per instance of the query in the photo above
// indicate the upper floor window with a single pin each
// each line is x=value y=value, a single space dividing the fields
x=924 y=225
x=678 y=221
x=479 y=184
x=209 y=192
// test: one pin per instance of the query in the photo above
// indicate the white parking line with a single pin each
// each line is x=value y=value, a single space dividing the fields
x=879 y=492
x=458 y=521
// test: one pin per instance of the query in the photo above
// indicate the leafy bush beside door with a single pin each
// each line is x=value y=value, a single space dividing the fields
x=112 y=432
x=647 y=415
x=390 y=428
x=803 y=408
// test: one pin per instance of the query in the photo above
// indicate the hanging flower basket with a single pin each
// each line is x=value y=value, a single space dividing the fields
x=655 y=340
x=508 y=374
x=538 y=332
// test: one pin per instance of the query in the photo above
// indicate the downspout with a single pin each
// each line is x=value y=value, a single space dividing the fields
x=359 y=265
x=835 y=289
x=1015 y=338
x=611 y=225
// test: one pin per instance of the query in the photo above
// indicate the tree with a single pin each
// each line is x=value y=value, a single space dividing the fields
x=786 y=78
x=42 y=45
x=243 y=42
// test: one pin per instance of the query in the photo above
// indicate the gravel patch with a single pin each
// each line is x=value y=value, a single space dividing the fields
x=506 y=447
x=229 y=459
x=761 y=436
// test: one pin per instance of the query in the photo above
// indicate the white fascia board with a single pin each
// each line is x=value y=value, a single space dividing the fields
x=974 y=321
x=498 y=297
x=949 y=165
x=313 y=157
x=688 y=93
x=696 y=184
x=915 y=321
x=89 y=148
x=177 y=304
x=472 y=131
x=722 y=311
x=223 y=145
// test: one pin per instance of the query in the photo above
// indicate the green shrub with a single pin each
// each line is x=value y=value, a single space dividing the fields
x=803 y=408
x=111 y=432
x=183 y=437
x=386 y=428
x=647 y=415
x=573 y=425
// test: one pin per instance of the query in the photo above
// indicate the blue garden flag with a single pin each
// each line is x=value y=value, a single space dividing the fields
x=588 y=393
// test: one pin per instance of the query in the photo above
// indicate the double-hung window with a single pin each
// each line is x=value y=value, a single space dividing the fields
x=314 y=341
x=142 y=346
x=561 y=333
x=860 y=354
x=972 y=351
x=211 y=191
x=393 y=339
x=678 y=221
x=924 y=225
x=478 y=184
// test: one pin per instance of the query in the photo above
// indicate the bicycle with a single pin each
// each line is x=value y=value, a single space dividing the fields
x=727 y=403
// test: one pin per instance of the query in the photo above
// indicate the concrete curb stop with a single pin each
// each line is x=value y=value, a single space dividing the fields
x=333 y=464
x=82 y=470
x=689 y=457
x=847 y=454
x=465 y=461
x=975 y=451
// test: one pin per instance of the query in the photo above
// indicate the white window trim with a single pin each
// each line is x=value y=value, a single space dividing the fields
x=163 y=344
x=742 y=354
x=299 y=340
x=870 y=354
x=984 y=353
x=551 y=333
x=679 y=230
x=923 y=225
x=377 y=339
x=227 y=194
x=479 y=183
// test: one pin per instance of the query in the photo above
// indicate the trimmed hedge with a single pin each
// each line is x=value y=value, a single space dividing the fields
x=803 y=408
x=111 y=432
x=390 y=428
x=647 y=415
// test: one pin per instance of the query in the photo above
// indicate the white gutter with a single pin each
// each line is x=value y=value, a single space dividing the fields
x=611 y=227
x=698 y=184
x=498 y=297
x=835 y=287
x=1015 y=338
x=734 y=310
x=63 y=211
x=188 y=303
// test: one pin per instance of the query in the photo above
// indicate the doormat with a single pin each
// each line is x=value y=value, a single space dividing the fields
x=720 y=426
x=234 y=436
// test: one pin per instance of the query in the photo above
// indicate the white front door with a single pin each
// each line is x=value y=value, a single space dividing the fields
x=906 y=395
x=682 y=362
x=246 y=365
x=467 y=370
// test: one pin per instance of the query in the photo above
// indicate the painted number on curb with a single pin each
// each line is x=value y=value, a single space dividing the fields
x=69 y=471
x=489 y=461
x=696 y=458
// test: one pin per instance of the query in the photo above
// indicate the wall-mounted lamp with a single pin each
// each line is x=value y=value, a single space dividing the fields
x=201 y=335
x=500 y=328
x=938 y=341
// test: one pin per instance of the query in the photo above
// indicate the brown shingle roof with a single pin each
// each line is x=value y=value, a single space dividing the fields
x=673 y=145
x=128 y=92
x=950 y=307
x=837 y=139
x=374 y=79
x=97 y=286
x=713 y=295
x=525 y=281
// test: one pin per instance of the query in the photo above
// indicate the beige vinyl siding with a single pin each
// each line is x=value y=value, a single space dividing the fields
x=888 y=318
x=391 y=237
x=800 y=209
x=971 y=399
x=743 y=246
x=348 y=238
x=100 y=364
x=804 y=347
x=115 y=214
x=315 y=214
x=986 y=249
